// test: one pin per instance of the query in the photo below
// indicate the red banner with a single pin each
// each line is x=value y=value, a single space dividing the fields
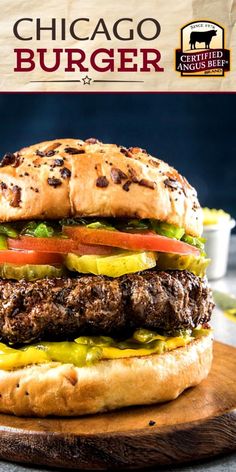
x=191 y=62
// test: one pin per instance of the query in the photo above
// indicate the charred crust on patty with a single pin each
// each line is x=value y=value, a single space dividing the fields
x=97 y=305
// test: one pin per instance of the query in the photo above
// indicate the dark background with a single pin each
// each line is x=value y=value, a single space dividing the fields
x=193 y=132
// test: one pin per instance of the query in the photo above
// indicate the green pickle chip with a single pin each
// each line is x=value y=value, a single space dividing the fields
x=167 y=229
x=196 y=265
x=69 y=352
x=29 y=271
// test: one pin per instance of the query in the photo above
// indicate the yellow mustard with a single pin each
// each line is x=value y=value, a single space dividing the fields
x=88 y=350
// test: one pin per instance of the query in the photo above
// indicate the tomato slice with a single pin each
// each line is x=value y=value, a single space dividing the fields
x=29 y=257
x=92 y=249
x=57 y=245
x=134 y=241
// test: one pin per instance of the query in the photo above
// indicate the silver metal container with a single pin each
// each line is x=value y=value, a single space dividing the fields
x=217 y=247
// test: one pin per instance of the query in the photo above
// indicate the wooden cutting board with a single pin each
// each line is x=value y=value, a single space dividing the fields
x=201 y=423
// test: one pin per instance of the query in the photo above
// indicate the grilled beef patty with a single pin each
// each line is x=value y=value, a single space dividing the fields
x=66 y=307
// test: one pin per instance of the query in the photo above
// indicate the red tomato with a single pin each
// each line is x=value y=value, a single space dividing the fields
x=139 y=241
x=29 y=257
x=56 y=245
x=92 y=249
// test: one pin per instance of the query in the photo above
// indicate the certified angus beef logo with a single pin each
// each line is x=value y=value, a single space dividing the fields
x=202 y=50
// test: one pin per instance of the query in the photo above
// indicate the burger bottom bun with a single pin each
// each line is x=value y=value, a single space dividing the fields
x=65 y=390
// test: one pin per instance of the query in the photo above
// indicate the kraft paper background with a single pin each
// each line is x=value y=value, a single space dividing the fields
x=172 y=15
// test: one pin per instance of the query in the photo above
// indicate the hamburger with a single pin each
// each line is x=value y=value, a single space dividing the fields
x=103 y=297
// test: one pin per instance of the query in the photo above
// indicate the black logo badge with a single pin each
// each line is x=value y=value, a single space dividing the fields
x=202 y=50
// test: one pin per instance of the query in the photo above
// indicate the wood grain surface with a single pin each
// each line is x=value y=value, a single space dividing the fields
x=201 y=423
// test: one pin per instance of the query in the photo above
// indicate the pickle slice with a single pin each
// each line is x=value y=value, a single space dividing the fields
x=29 y=272
x=95 y=340
x=156 y=347
x=199 y=332
x=146 y=336
x=196 y=265
x=70 y=352
x=83 y=264
x=87 y=350
x=112 y=266
x=167 y=229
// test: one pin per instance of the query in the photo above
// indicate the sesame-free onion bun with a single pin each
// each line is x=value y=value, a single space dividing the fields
x=70 y=177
